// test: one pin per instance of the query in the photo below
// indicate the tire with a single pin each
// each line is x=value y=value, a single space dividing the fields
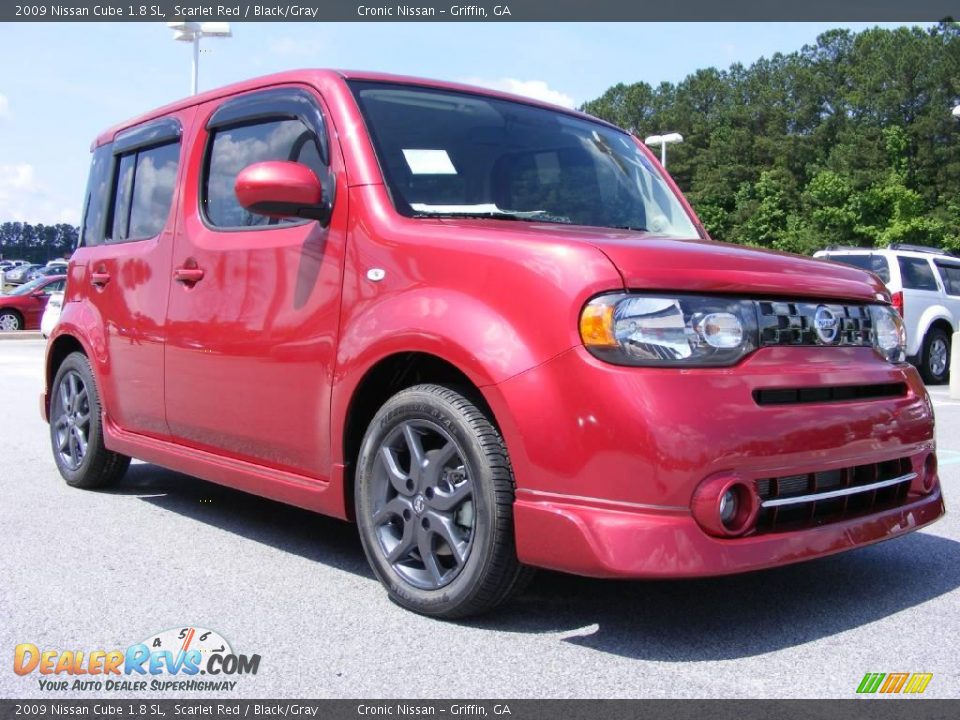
x=10 y=321
x=935 y=357
x=439 y=538
x=76 y=431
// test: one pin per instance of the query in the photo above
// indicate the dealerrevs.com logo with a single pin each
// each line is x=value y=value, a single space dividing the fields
x=171 y=660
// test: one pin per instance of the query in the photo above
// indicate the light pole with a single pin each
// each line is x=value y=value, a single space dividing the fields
x=192 y=32
x=663 y=141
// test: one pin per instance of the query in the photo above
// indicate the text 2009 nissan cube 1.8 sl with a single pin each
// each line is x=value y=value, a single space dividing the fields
x=489 y=330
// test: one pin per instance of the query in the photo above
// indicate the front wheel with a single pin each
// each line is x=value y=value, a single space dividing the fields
x=935 y=357
x=434 y=501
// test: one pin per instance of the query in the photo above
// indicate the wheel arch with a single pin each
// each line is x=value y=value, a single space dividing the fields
x=385 y=378
x=59 y=347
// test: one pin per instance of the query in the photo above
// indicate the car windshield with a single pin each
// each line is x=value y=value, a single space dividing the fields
x=455 y=154
x=29 y=287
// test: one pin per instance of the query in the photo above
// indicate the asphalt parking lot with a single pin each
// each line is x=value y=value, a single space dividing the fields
x=102 y=570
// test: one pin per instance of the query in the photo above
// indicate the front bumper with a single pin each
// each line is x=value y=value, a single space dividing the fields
x=600 y=542
x=607 y=458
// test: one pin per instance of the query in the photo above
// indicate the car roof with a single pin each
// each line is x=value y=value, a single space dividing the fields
x=317 y=74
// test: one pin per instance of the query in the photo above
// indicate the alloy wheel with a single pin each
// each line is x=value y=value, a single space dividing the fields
x=72 y=424
x=938 y=356
x=423 y=514
x=9 y=322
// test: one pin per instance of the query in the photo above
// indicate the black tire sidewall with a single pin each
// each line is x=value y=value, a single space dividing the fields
x=928 y=375
x=421 y=405
x=80 y=476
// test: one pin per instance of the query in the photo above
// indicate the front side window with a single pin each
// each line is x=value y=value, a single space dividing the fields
x=143 y=192
x=458 y=154
x=233 y=149
x=916 y=274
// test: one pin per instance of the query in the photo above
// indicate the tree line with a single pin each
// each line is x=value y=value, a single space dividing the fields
x=37 y=243
x=849 y=140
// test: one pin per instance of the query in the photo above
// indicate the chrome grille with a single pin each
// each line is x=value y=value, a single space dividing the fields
x=792 y=323
x=794 y=502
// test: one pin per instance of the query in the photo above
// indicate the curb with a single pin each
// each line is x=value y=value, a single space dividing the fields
x=21 y=335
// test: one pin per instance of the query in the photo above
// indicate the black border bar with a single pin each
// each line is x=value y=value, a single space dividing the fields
x=906 y=11
x=915 y=708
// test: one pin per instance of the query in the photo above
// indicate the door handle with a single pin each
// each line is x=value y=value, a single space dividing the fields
x=188 y=275
x=99 y=279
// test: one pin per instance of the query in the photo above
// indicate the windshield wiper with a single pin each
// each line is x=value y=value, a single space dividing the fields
x=635 y=228
x=538 y=216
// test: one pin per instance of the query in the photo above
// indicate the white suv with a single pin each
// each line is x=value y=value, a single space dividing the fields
x=925 y=284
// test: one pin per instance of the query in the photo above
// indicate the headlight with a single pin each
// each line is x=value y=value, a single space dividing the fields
x=889 y=334
x=664 y=331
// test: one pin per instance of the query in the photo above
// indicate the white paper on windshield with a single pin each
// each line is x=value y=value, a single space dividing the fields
x=429 y=162
x=479 y=209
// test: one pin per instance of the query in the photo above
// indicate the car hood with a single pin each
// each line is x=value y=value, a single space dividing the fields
x=658 y=263
x=650 y=262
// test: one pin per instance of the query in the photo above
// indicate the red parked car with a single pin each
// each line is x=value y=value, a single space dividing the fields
x=23 y=307
x=489 y=330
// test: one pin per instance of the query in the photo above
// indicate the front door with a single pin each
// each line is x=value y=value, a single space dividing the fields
x=254 y=302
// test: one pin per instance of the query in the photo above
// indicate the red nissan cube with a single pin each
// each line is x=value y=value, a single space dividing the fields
x=489 y=330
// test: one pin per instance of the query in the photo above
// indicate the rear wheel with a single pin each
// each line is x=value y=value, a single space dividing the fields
x=76 y=431
x=434 y=500
x=9 y=321
x=935 y=357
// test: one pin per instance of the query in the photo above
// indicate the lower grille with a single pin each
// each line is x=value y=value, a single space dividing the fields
x=795 y=502
x=823 y=394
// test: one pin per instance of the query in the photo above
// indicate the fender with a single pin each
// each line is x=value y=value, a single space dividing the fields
x=450 y=325
x=78 y=322
x=928 y=318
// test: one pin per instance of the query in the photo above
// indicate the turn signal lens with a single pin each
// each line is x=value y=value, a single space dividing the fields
x=596 y=325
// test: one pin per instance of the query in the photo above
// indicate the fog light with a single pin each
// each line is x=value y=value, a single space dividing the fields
x=725 y=505
x=728 y=507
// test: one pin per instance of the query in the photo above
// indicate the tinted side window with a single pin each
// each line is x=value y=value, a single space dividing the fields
x=874 y=263
x=53 y=287
x=143 y=192
x=153 y=186
x=233 y=149
x=97 y=197
x=917 y=274
x=950 y=274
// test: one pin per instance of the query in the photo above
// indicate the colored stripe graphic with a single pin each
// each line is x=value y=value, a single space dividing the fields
x=918 y=682
x=894 y=682
x=870 y=682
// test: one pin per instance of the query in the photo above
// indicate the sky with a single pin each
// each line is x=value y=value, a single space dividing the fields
x=62 y=83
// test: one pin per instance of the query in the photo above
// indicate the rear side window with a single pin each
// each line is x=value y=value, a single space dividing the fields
x=143 y=192
x=234 y=148
x=874 y=263
x=97 y=197
x=950 y=274
x=917 y=274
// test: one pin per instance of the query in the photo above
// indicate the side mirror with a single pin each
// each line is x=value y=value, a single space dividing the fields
x=282 y=189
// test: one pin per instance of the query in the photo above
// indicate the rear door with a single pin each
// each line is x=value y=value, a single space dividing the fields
x=123 y=266
x=950 y=275
x=920 y=291
x=254 y=302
